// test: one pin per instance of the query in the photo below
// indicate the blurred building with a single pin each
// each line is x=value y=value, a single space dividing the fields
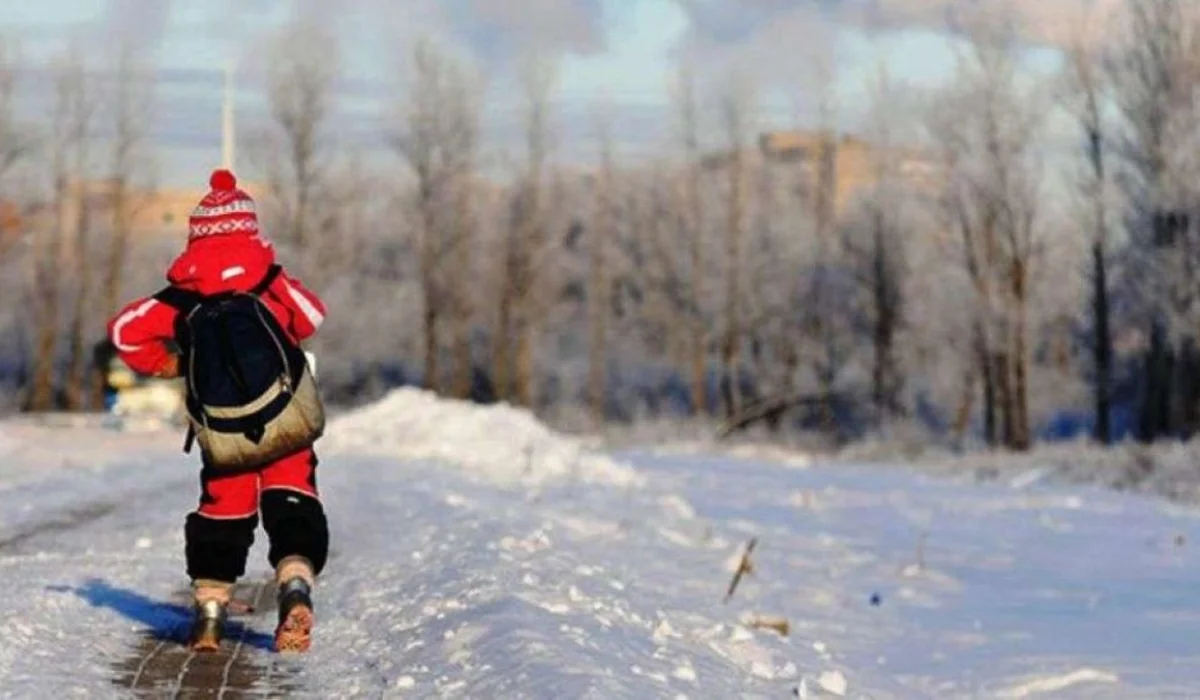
x=848 y=162
x=156 y=212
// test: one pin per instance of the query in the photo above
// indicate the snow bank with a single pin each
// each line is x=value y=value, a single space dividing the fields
x=1056 y=683
x=498 y=442
x=32 y=444
x=8 y=444
x=1166 y=469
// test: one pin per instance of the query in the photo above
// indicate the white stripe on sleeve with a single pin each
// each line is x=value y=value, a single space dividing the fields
x=306 y=307
x=124 y=320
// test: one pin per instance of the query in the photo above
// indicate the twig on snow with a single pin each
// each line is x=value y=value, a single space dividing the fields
x=745 y=567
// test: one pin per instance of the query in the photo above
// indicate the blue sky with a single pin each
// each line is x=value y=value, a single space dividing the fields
x=622 y=52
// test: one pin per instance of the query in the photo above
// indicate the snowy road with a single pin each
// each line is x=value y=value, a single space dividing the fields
x=567 y=578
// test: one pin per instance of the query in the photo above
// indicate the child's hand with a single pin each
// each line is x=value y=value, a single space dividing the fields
x=170 y=370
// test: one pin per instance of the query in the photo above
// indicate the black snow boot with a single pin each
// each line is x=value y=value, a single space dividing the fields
x=208 y=626
x=294 y=632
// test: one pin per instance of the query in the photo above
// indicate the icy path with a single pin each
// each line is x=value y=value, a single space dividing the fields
x=452 y=583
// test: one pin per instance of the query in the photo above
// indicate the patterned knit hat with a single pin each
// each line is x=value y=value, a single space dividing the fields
x=223 y=211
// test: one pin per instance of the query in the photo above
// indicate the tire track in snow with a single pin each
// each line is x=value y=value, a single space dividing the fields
x=77 y=516
x=69 y=520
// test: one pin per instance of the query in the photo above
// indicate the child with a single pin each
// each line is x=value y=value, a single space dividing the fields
x=225 y=253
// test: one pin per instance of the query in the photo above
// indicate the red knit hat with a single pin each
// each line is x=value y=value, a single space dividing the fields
x=223 y=211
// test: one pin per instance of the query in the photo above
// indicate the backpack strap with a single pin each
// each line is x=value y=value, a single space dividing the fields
x=181 y=300
x=268 y=279
x=184 y=302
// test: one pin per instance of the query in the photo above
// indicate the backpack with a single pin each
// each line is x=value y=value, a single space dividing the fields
x=251 y=396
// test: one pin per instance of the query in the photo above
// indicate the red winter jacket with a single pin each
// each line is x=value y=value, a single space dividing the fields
x=210 y=265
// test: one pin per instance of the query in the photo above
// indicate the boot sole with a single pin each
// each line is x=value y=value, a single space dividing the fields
x=294 y=634
x=206 y=639
x=206 y=646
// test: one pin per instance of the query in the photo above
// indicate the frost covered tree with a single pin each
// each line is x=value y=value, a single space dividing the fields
x=1154 y=69
x=1086 y=95
x=985 y=126
x=16 y=143
x=735 y=106
x=61 y=244
x=439 y=142
x=17 y=150
x=125 y=114
x=527 y=248
x=599 y=286
x=675 y=225
x=296 y=150
x=875 y=241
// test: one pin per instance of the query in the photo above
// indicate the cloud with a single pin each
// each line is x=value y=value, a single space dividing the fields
x=494 y=30
x=729 y=21
x=142 y=21
x=498 y=29
x=1047 y=22
x=789 y=51
x=763 y=36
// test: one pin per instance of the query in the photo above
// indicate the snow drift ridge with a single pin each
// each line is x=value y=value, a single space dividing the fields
x=499 y=442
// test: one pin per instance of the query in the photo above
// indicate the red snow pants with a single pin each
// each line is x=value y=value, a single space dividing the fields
x=237 y=495
x=219 y=533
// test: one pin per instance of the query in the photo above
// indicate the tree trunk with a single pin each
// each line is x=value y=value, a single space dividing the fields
x=962 y=414
x=987 y=373
x=597 y=351
x=429 y=240
x=1188 y=394
x=1003 y=380
x=77 y=363
x=1021 y=437
x=42 y=397
x=883 y=389
x=1156 y=399
x=111 y=291
x=464 y=367
x=523 y=370
x=1102 y=347
x=1102 y=351
x=826 y=377
x=48 y=282
x=599 y=301
x=699 y=374
x=464 y=312
x=502 y=336
x=76 y=375
x=429 y=327
x=699 y=339
x=731 y=346
x=730 y=391
x=523 y=319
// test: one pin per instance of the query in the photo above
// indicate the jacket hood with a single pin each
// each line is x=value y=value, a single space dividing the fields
x=215 y=264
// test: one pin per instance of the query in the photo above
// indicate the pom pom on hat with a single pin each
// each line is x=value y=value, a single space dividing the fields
x=224 y=211
x=222 y=181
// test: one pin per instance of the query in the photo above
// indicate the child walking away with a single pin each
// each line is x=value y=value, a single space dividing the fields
x=230 y=323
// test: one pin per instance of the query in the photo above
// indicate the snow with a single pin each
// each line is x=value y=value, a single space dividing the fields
x=1166 y=469
x=1051 y=684
x=498 y=442
x=576 y=574
x=8 y=444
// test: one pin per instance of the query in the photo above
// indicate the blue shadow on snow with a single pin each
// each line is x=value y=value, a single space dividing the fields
x=165 y=621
